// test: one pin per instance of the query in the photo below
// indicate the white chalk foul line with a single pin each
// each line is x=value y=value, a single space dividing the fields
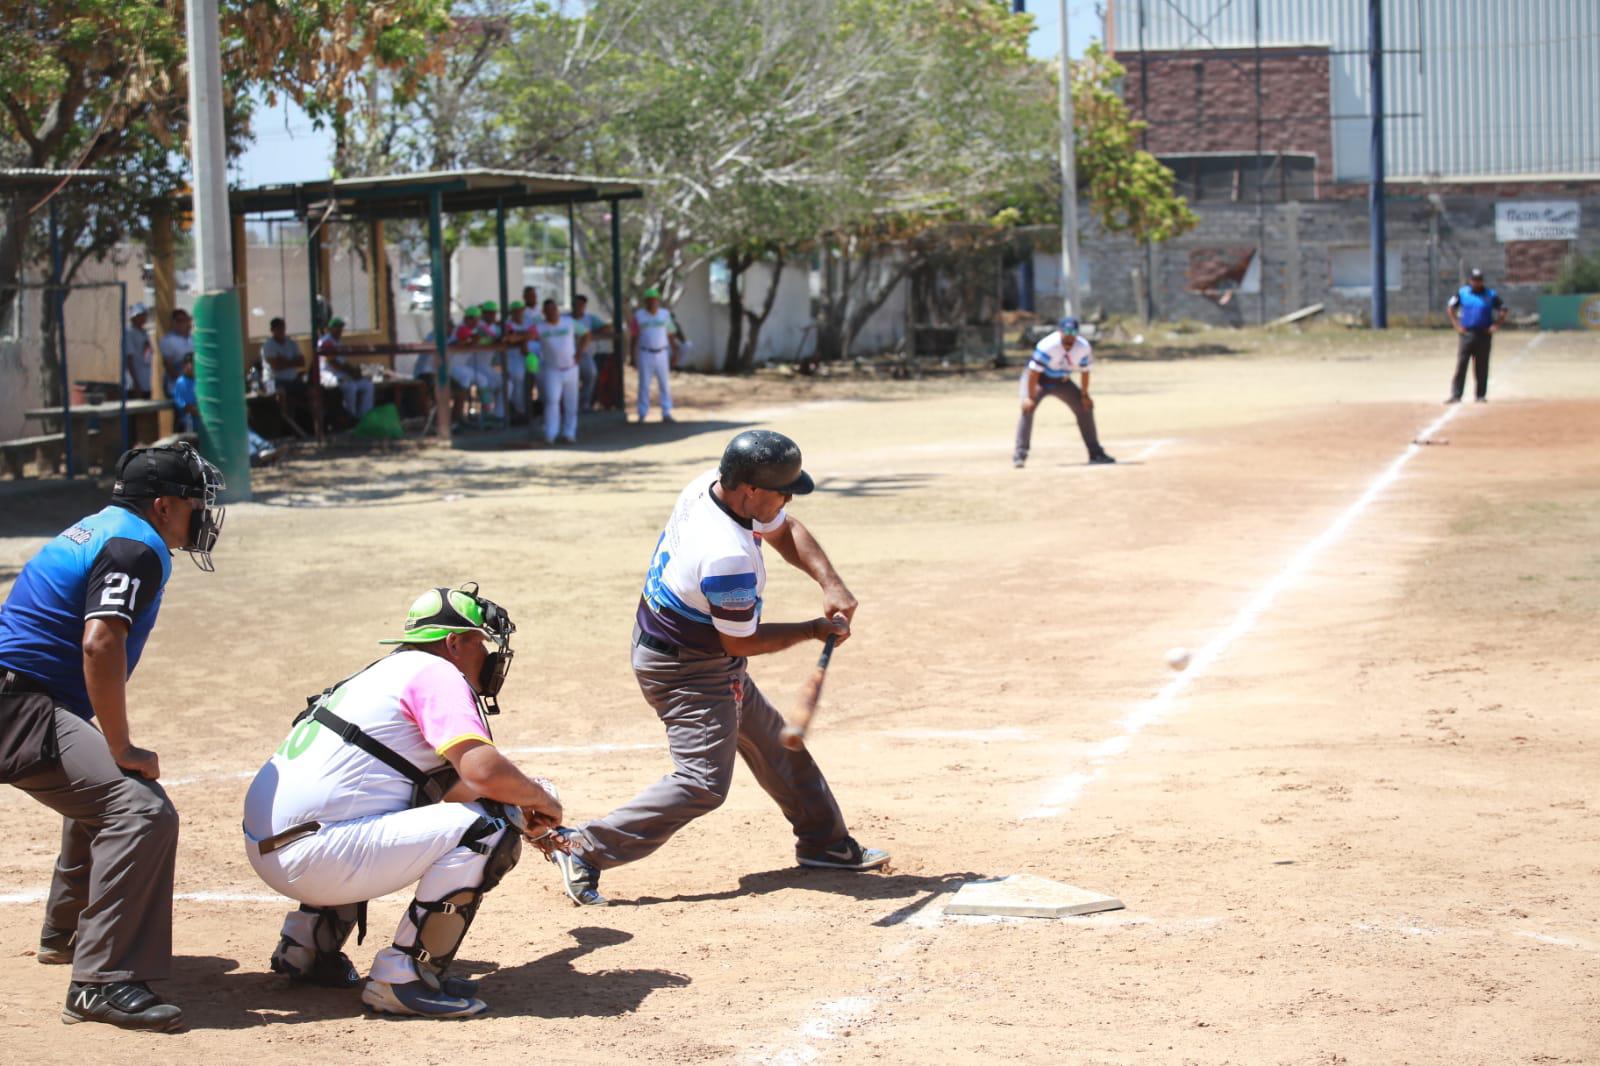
x=540 y=749
x=1150 y=449
x=182 y=897
x=826 y=1023
x=1065 y=792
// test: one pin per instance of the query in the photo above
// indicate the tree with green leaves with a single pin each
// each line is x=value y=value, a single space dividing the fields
x=861 y=134
x=103 y=85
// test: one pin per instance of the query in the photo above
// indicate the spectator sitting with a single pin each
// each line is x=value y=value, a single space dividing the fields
x=185 y=398
x=177 y=344
x=281 y=360
x=355 y=389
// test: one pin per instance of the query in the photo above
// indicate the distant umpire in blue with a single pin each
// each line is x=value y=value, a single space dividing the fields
x=1476 y=312
x=71 y=632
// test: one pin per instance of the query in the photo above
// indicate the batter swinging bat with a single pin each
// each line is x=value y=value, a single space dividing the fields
x=794 y=734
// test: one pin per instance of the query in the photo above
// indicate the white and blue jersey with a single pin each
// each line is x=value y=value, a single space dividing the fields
x=706 y=575
x=1055 y=361
x=112 y=564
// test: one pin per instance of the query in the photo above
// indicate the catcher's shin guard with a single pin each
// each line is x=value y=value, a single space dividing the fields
x=442 y=924
x=322 y=961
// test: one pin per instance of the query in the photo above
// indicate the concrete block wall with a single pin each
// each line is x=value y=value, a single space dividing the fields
x=1436 y=238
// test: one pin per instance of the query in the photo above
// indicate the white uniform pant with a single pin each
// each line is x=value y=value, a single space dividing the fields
x=469 y=370
x=358 y=396
x=560 y=391
x=364 y=858
x=517 y=381
x=654 y=365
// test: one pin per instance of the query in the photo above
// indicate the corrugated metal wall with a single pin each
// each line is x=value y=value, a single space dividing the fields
x=1496 y=87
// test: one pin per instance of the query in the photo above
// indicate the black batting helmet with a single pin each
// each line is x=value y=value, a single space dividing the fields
x=765 y=459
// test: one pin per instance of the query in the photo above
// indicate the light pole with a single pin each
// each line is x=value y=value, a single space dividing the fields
x=1069 y=180
x=218 y=338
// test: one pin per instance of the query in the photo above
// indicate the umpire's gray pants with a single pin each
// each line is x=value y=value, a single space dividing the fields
x=119 y=843
x=711 y=710
x=1067 y=393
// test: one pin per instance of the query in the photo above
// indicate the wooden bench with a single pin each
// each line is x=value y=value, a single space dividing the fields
x=44 y=449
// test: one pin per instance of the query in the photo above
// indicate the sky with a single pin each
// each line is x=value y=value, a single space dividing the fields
x=288 y=149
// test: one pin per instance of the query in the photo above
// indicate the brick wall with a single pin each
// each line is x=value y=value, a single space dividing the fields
x=1534 y=262
x=1206 y=102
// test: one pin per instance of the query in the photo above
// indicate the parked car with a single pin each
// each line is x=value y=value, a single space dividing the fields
x=419 y=290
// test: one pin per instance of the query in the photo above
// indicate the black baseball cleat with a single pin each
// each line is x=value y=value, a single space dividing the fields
x=1101 y=459
x=56 y=946
x=845 y=855
x=124 y=1004
x=329 y=969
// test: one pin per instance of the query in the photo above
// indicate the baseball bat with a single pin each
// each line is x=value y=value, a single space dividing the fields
x=794 y=734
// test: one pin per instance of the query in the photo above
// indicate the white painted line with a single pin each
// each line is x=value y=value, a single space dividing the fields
x=981 y=736
x=547 y=749
x=827 y=1021
x=1150 y=449
x=1065 y=792
x=206 y=779
x=1559 y=941
x=181 y=897
x=580 y=749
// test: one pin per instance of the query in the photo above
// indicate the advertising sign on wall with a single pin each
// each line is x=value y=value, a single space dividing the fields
x=1536 y=220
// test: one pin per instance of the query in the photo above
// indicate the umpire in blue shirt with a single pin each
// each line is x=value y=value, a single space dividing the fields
x=71 y=632
x=1476 y=312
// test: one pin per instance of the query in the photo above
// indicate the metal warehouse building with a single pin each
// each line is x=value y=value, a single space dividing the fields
x=1263 y=110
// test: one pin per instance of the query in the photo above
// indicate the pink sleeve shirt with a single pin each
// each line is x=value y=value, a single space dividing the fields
x=441 y=704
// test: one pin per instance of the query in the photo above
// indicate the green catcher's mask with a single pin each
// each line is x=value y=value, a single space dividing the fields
x=440 y=612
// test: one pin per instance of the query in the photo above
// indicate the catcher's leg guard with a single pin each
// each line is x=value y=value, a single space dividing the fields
x=311 y=949
x=442 y=924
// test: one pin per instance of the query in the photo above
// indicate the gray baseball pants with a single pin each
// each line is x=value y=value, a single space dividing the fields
x=1068 y=394
x=712 y=710
x=119 y=844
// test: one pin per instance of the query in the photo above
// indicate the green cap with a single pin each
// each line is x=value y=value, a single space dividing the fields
x=439 y=612
x=470 y=312
x=532 y=362
x=489 y=305
x=652 y=291
x=335 y=321
x=515 y=305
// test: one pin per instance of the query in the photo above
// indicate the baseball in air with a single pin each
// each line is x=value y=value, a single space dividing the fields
x=1178 y=658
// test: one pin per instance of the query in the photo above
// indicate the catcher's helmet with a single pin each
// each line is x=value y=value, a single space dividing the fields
x=1068 y=325
x=766 y=460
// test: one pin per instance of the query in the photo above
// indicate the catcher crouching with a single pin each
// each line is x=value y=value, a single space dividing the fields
x=391 y=778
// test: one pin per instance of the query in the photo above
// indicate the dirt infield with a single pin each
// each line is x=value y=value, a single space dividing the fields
x=1362 y=830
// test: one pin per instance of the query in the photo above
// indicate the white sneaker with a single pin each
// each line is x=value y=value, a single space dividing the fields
x=846 y=855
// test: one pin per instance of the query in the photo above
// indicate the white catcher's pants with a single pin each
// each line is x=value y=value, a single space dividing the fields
x=364 y=858
x=654 y=365
x=560 y=391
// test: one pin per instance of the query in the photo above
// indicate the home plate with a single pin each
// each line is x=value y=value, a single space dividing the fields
x=1027 y=896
